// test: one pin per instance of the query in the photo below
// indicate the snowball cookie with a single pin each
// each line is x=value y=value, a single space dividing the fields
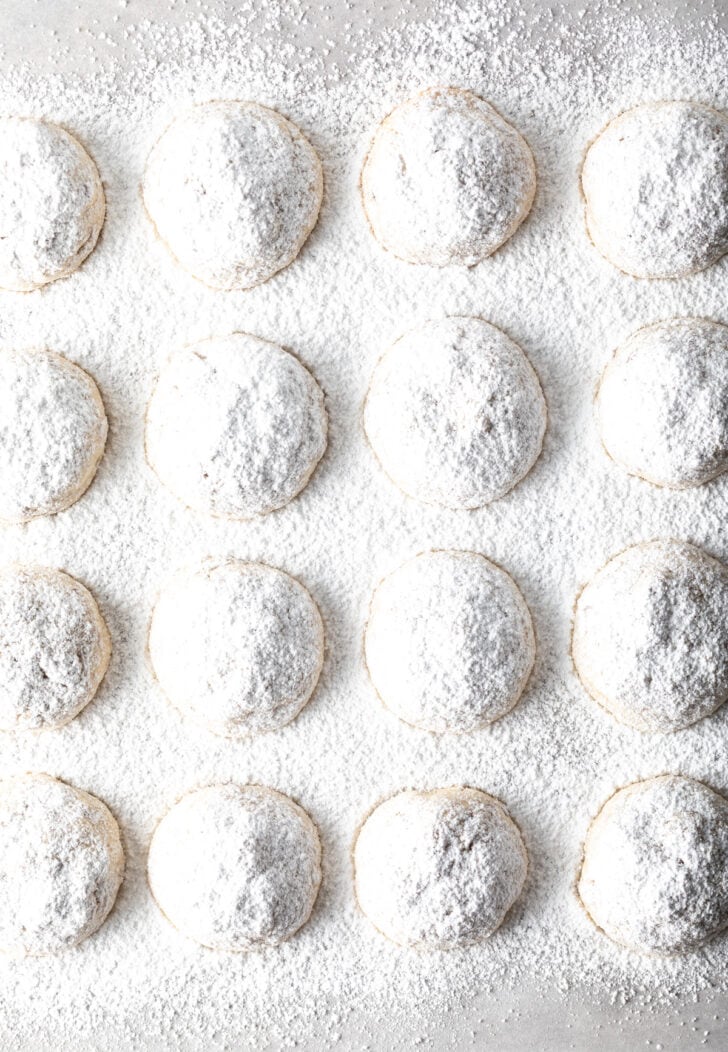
x=237 y=647
x=61 y=865
x=54 y=648
x=455 y=413
x=233 y=189
x=235 y=426
x=52 y=434
x=52 y=203
x=236 y=867
x=662 y=404
x=439 y=870
x=449 y=644
x=650 y=639
x=446 y=179
x=655 y=183
x=655 y=871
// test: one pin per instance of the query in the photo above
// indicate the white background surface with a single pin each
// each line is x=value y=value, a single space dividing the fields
x=56 y=35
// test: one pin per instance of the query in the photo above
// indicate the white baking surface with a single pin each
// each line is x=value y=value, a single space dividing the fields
x=57 y=36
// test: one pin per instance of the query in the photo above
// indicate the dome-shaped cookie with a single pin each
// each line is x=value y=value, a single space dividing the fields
x=52 y=203
x=237 y=647
x=236 y=867
x=233 y=189
x=449 y=642
x=61 y=865
x=655 y=183
x=446 y=179
x=655 y=871
x=662 y=403
x=54 y=648
x=235 y=426
x=455 y=413
x=439 y=870
x=52 y=435
x=650 y=639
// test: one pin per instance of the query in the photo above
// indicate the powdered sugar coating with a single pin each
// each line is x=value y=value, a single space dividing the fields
x=258 y=426
x=61 y=865
x=52 y=203
x=52 y=433
x=662 y=405
x=237 y=647
x=455 y=413
x=233 y=189
x=449 y=643
x=236 y=867
x=655 y=182
x=650 y=639
x=446 y=179
x=440 y=869
x=655 y=864
x=54 y=648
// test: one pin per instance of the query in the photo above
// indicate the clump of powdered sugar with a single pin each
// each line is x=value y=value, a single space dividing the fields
x=237 y=647
x=52 y=433
x=655 y=859
x=662 y=404
x=449 y=642
x=236 y=868
x=439 y=870
x=51 y=203
x=446 y=179
x=651 y=635
x=455 y=413
x=54 y=648
x=61 y=864
x=656 y=188
x=234 y=190
x=235 y=426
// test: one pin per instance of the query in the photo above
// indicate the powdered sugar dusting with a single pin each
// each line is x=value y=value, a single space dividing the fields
x=557 y=756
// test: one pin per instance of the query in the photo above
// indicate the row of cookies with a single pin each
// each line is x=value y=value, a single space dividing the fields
x=234 y=189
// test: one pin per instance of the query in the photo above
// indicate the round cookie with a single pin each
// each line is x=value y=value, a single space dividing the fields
x=61 y=865
x=662 y=403
x=233 y=190
x=650 y=638
x=439 y=870
x=237 y=647
x=54 y=648
x=235 y=426
x=446 y=180
x=655 y=185
x=52 y=203
x=653 y=876
x=455 y=413
x=236 y=867
x=53 y=433
x=449 y=644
